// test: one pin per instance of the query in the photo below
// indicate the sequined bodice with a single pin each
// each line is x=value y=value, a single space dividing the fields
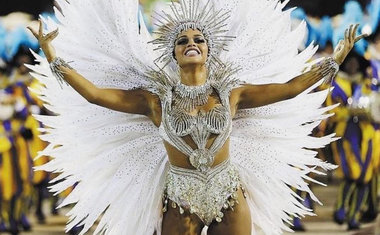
x=214 y=121
x=177 y=123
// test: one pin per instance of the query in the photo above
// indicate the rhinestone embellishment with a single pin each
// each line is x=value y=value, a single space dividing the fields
x=201 y=159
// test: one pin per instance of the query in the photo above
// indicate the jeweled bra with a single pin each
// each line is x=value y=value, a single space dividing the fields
x=177 y=122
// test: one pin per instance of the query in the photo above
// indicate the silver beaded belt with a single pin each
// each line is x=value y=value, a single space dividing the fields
x=202 y=193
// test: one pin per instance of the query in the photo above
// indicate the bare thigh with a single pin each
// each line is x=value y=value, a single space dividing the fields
x=173 y=223
x=237 y=221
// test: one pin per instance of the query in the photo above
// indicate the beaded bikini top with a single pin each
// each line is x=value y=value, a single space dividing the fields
x=177 y=122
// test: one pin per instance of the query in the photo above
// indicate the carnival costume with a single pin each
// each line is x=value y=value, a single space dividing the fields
x=118 y=159
x=372 y=206
x=15 y=172
x=355 y=151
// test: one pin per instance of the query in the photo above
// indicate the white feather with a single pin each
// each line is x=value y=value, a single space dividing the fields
x=118 y=161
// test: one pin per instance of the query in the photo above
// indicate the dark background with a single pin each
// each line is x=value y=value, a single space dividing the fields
x=323 y=7
x=30 y=6
x=313 y=7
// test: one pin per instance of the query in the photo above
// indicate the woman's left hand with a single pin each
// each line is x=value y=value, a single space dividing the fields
x=345 y=46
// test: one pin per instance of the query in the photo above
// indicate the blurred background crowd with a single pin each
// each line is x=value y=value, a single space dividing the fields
x=23 y=193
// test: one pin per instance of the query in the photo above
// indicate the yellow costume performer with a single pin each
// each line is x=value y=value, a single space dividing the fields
x=354 y=152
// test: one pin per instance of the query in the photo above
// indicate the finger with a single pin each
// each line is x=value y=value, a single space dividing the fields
x=52 y=35
x=349 y=33
x=40 y=30
x=347 y=37
x=354 y=31
x=361 y=37
x=32 y=31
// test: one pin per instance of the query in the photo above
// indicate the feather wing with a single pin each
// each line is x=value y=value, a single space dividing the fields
x=112 y=157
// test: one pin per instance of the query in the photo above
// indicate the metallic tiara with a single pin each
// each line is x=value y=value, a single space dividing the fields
x=191 y=14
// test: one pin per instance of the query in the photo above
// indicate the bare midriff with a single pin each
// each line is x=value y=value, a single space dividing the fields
x=177 y=158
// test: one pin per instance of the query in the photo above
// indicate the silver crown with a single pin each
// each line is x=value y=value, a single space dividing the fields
x=191 y=14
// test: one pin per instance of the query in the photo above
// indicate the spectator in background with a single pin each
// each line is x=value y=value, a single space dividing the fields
x=354 y=151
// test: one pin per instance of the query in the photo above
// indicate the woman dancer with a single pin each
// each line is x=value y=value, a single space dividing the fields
x=191 y=100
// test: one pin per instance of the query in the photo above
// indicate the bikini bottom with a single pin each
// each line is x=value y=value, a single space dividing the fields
x=204 y=194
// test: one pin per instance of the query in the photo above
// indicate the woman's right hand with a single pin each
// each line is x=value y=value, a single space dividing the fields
x=45 y=40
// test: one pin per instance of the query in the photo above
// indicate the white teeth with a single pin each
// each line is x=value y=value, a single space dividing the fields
x=192 y=53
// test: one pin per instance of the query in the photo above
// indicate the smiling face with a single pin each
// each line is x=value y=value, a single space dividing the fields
x=191 y=48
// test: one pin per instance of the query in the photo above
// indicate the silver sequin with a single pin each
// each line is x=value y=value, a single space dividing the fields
x=203 y=194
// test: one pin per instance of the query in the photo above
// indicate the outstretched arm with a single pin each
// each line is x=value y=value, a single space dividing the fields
x=129 y=101
x=251 y=96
